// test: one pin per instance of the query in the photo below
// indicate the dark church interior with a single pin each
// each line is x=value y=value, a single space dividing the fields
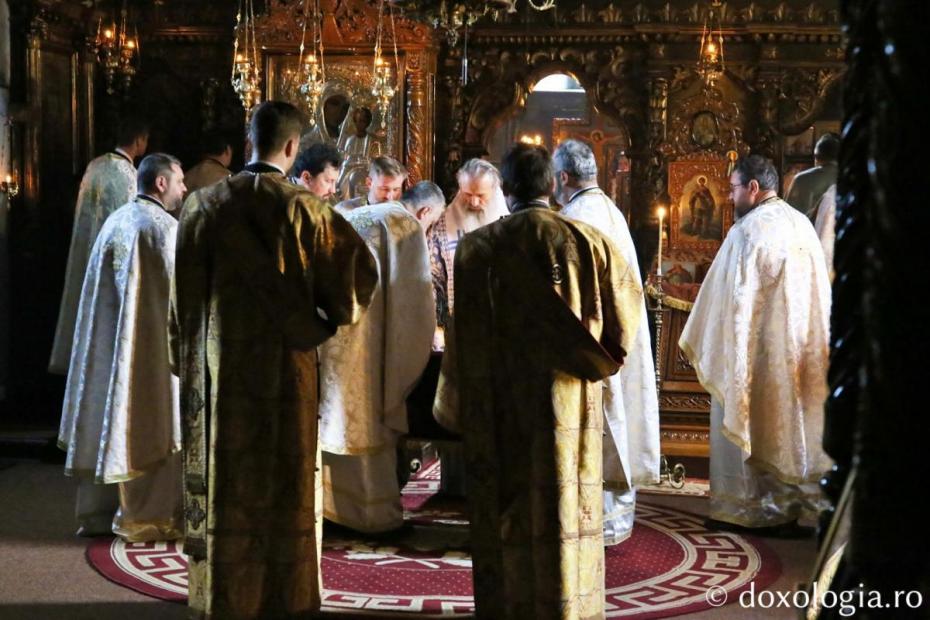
x=668 y=95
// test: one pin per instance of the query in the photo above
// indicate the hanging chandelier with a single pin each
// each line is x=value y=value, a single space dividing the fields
x=455 y=17
x=451 y=16
x=382 y=85
x=312 y=68
x=117 y=52
x=246 y=72
x=710 y=64
x=451 y=20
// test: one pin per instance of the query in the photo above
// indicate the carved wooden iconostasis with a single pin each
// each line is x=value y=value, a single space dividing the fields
x=637 y=64
x=704 y=133
x=555 y=109
x=404 y=129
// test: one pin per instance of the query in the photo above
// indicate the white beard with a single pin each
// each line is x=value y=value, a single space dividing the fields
x=461 y=220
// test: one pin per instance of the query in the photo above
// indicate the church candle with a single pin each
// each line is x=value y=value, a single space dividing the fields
x=661 y=213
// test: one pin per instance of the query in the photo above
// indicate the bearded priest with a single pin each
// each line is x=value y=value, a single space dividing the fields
x=758 y=337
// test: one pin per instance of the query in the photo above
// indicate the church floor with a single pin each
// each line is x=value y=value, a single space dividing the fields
x=43 y=573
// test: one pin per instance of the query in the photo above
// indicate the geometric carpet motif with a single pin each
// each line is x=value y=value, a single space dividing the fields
x=664 y=569
x=694 y=487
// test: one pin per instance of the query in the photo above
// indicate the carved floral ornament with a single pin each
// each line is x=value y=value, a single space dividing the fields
x=802 y=95
x=705 y=125
x=790 y=99
x=733 y=13
x=345 y=24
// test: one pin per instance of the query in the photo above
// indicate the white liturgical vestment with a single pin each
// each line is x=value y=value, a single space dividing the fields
x=368 y=369
x=120 y=419
x=758 y=337
x=825 y=225
x=108 y=183
x=631 y=406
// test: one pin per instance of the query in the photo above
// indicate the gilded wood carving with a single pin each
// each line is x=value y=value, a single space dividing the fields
x=349 y=30
x=348 y=78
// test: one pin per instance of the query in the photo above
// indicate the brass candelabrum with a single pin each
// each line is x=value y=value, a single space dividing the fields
x=312 y=68
x=313 y=86
x=675 y=475
x=383 y=87
x=710 y=64
x=117 y=52
x=246 y=68
x=245 y=81
x=658 y=309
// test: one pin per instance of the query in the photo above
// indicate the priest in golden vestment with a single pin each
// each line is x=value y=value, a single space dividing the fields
x=265 y=272
x=214 y=167
x=546 y=309
x=758 y=337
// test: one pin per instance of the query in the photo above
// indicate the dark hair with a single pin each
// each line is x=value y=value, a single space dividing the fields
x=131 y=126
x=367 y=112
x=759 y=168
x=314 y=159
x=273 y=123
x=215 y=142
x=423 y=194
x=526 y=172
x=154 y=166
x=827 y=147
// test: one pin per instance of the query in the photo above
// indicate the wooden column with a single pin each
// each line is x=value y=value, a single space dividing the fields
x=421 y=80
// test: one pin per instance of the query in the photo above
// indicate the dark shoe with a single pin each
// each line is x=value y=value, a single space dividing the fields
x=790 y=531
x=392 y=535
x=331 y=529
x=724 y=526
x=87 y=532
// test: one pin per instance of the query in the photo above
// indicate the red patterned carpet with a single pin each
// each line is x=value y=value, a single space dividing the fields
x=664 y=569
